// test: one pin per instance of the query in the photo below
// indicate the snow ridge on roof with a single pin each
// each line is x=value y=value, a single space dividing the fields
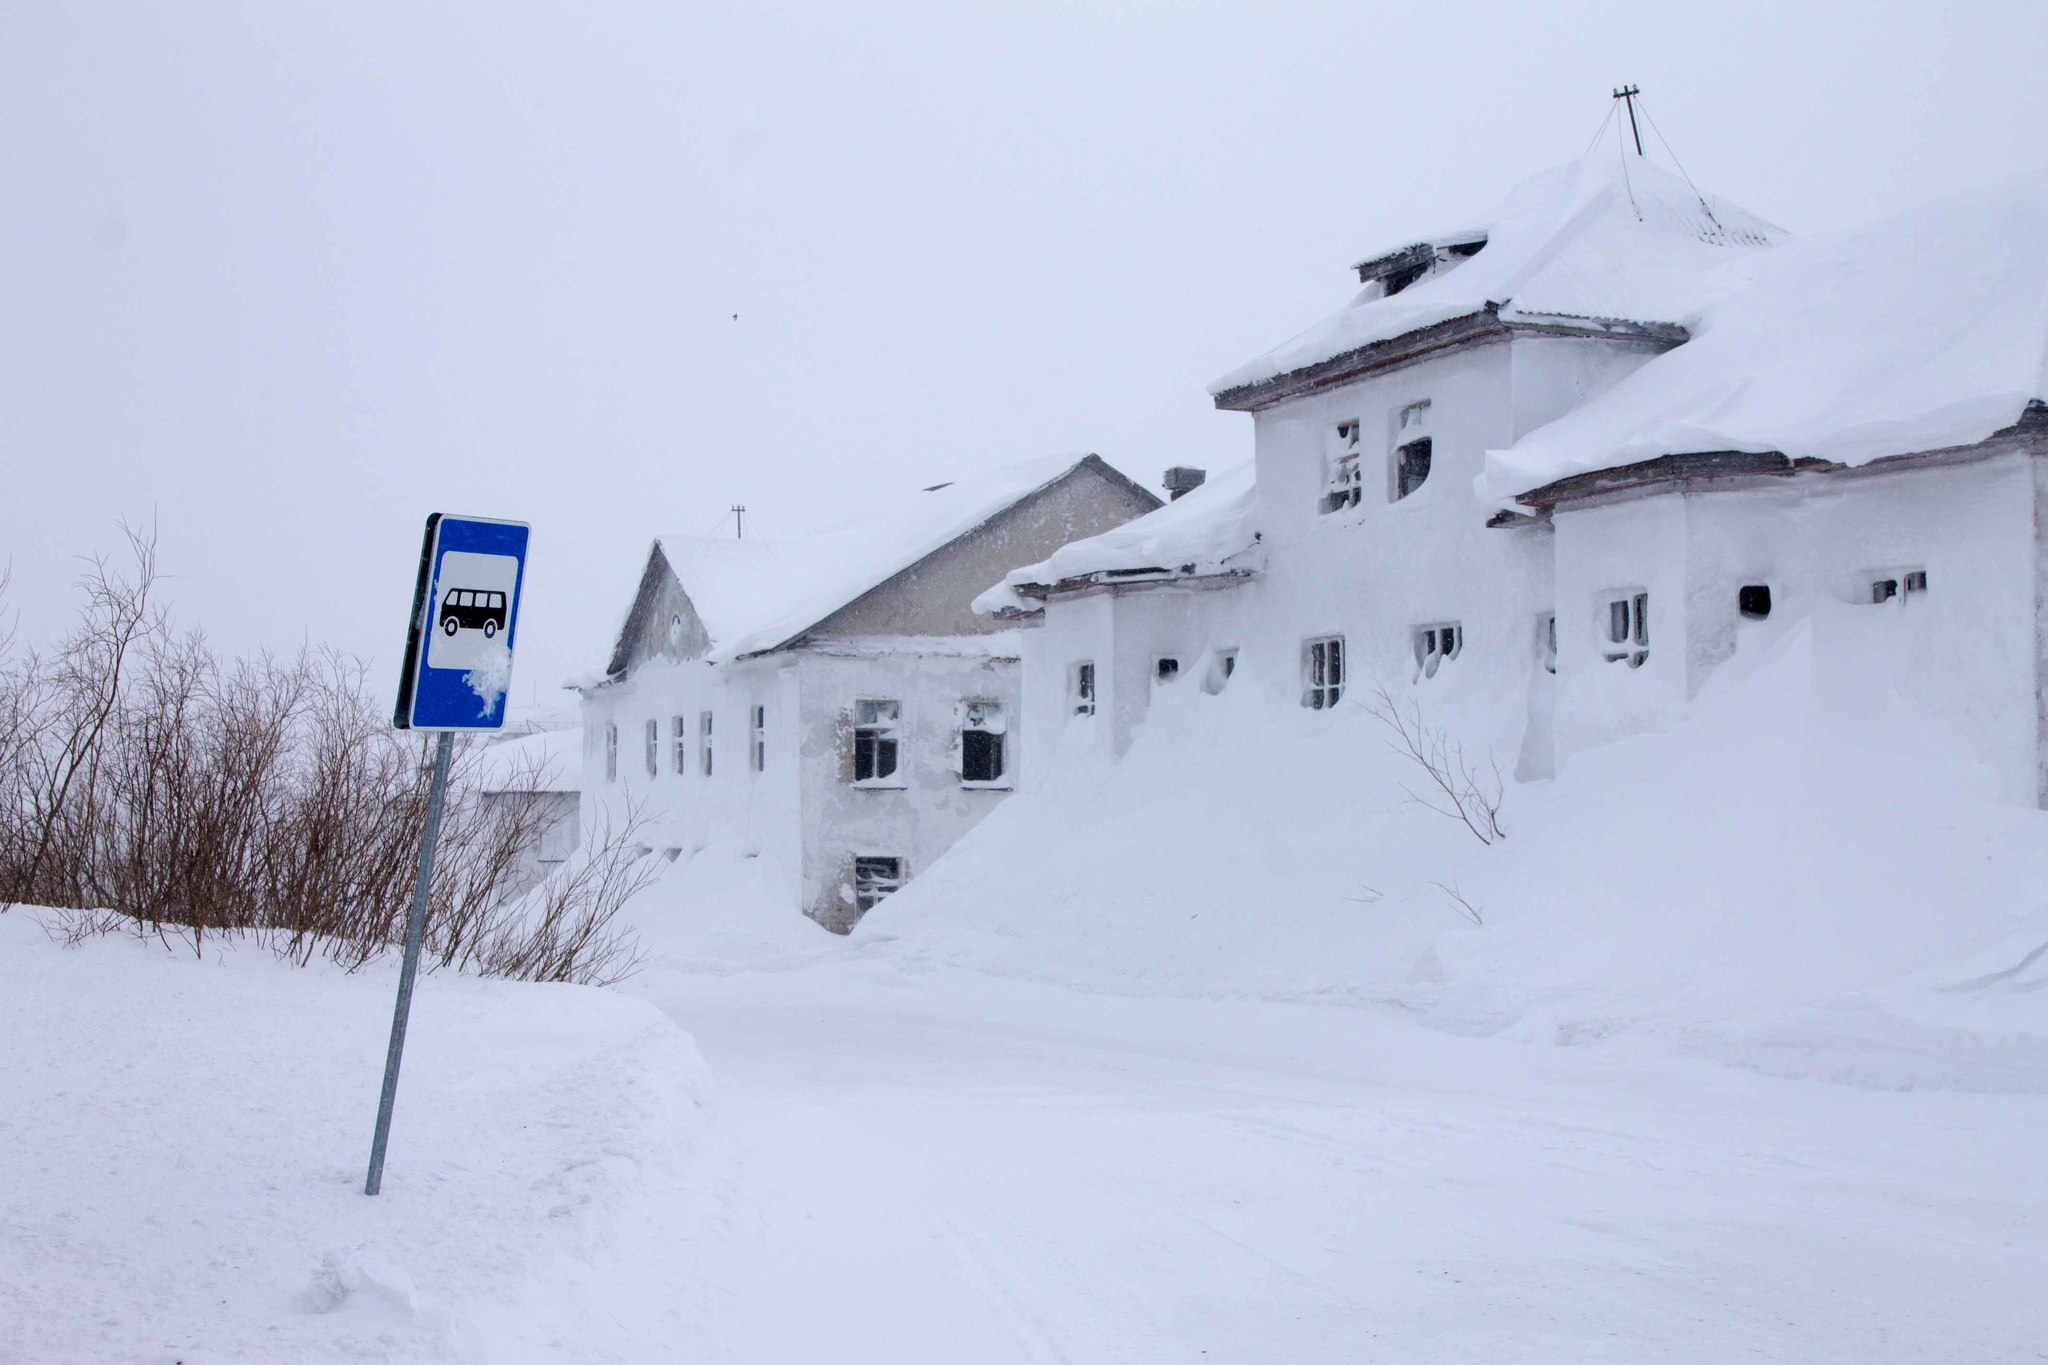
x=1923 y=332
x=754 y=595
x=1208 y=530
x=1607 y=237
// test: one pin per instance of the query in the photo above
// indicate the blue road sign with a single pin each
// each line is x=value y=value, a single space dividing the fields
x=465 y=616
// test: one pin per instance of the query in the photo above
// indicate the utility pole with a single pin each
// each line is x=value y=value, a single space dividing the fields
x=1627 y=95
x=739 y=521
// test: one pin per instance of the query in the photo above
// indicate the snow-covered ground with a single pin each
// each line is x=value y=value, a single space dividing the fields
x=183 y=1143
x=1188 y=1059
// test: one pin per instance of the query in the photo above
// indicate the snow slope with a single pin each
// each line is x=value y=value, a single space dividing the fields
x=185 y=1143
x=1792 y=881
x=1925 y=331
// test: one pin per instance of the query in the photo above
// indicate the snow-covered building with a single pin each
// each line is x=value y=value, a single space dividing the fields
x=833 y=704
x=1549 y=471
x=536 y=775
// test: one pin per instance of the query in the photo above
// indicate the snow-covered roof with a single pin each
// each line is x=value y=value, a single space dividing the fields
x=1606 y=236
x=1927 y=331
x=754 y=595
x=551 y=761
x=1206 y=531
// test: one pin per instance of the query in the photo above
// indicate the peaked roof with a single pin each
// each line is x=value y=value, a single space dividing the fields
x=1605 y=237
x=758 y=595
x=1206 y=531
x=1923 y=332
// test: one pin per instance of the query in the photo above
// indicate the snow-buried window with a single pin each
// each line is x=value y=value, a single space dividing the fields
x=983 y=728
x=874 y=878
x=1081 y=688
x=1628 y=630
x=1436 y=644
x=1342 y=481
x=1413 y=451
x=1322 y=664
x=876 y=741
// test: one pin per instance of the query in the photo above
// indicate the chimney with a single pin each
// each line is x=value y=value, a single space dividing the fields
x=1180 y=479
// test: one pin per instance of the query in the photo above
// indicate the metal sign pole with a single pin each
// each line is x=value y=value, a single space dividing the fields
x=414 y=927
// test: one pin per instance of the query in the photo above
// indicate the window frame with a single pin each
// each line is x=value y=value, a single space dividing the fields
x=1001 y=737
x=1081 y=680
x=757 y=743
x=1343 y=470
x=705 y=746
x=1323 y=656
x=1625 y=632
x=880 y=732
x=653 y=746
x=870 y=891
x=1411 y=438
x=679 y=743
x=1435 y=645
x=611 y=751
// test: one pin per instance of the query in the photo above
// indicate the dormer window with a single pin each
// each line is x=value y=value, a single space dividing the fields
x=1413 y=450
x=1343 y=483
x=1397 y=270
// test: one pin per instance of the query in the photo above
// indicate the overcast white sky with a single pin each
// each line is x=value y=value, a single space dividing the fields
x=286 y=277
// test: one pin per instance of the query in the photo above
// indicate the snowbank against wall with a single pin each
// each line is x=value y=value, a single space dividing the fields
x=1814 y=875
x=185 y=1143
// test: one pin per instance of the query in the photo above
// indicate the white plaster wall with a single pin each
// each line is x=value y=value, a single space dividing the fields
x=757 y=812
x=931 y=809
x=1074 y=629
x=1193 y=623
x=1966 y=653
x=1375 y=573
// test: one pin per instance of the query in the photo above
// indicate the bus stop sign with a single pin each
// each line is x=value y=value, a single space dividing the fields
x=465 y=617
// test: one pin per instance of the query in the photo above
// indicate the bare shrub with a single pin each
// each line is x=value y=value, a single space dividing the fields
x=148 y=784
x=1456 y=787
x=1464 y=907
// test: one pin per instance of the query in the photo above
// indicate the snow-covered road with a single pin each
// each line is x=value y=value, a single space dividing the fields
x=950 y=1168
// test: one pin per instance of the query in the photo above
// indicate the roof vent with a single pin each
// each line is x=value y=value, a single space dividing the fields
x=1180 y=479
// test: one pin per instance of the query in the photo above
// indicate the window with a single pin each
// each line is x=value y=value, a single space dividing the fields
x=1412 y=449
x=653 y=748
x=1222 y=664
x=611 y=753
x=679 y=733
x=873 y=879
x=1165 y=669
x=704 y=742
x=1753 y=600
x=1628 y=630
x=875 y=741
x=1435 y=644
x=759 y=748
x=981 y=741
x=1081 y=689
x=1323 y=672
x=1546 y=641
x=1886 y=587
x=1342 y=482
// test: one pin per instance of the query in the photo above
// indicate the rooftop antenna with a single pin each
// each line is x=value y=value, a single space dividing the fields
x=739 y=521
x=1627 y=95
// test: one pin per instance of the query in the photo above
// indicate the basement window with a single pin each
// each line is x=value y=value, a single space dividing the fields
x=1081 y=688
x=653 y=748
x=982 y=730
x=1222 y=664
x=679 y=741
x=1753 y=600
x=1887 y=586
x=611 y=753
x=1628 y=630
x=1343 y=484
x=1435 y=644
x=874 y=879
x=1412 y=450
x=1165 y=669
x=759 y=748
x=704 y=742
x=1322 y=666
x=876 y=740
